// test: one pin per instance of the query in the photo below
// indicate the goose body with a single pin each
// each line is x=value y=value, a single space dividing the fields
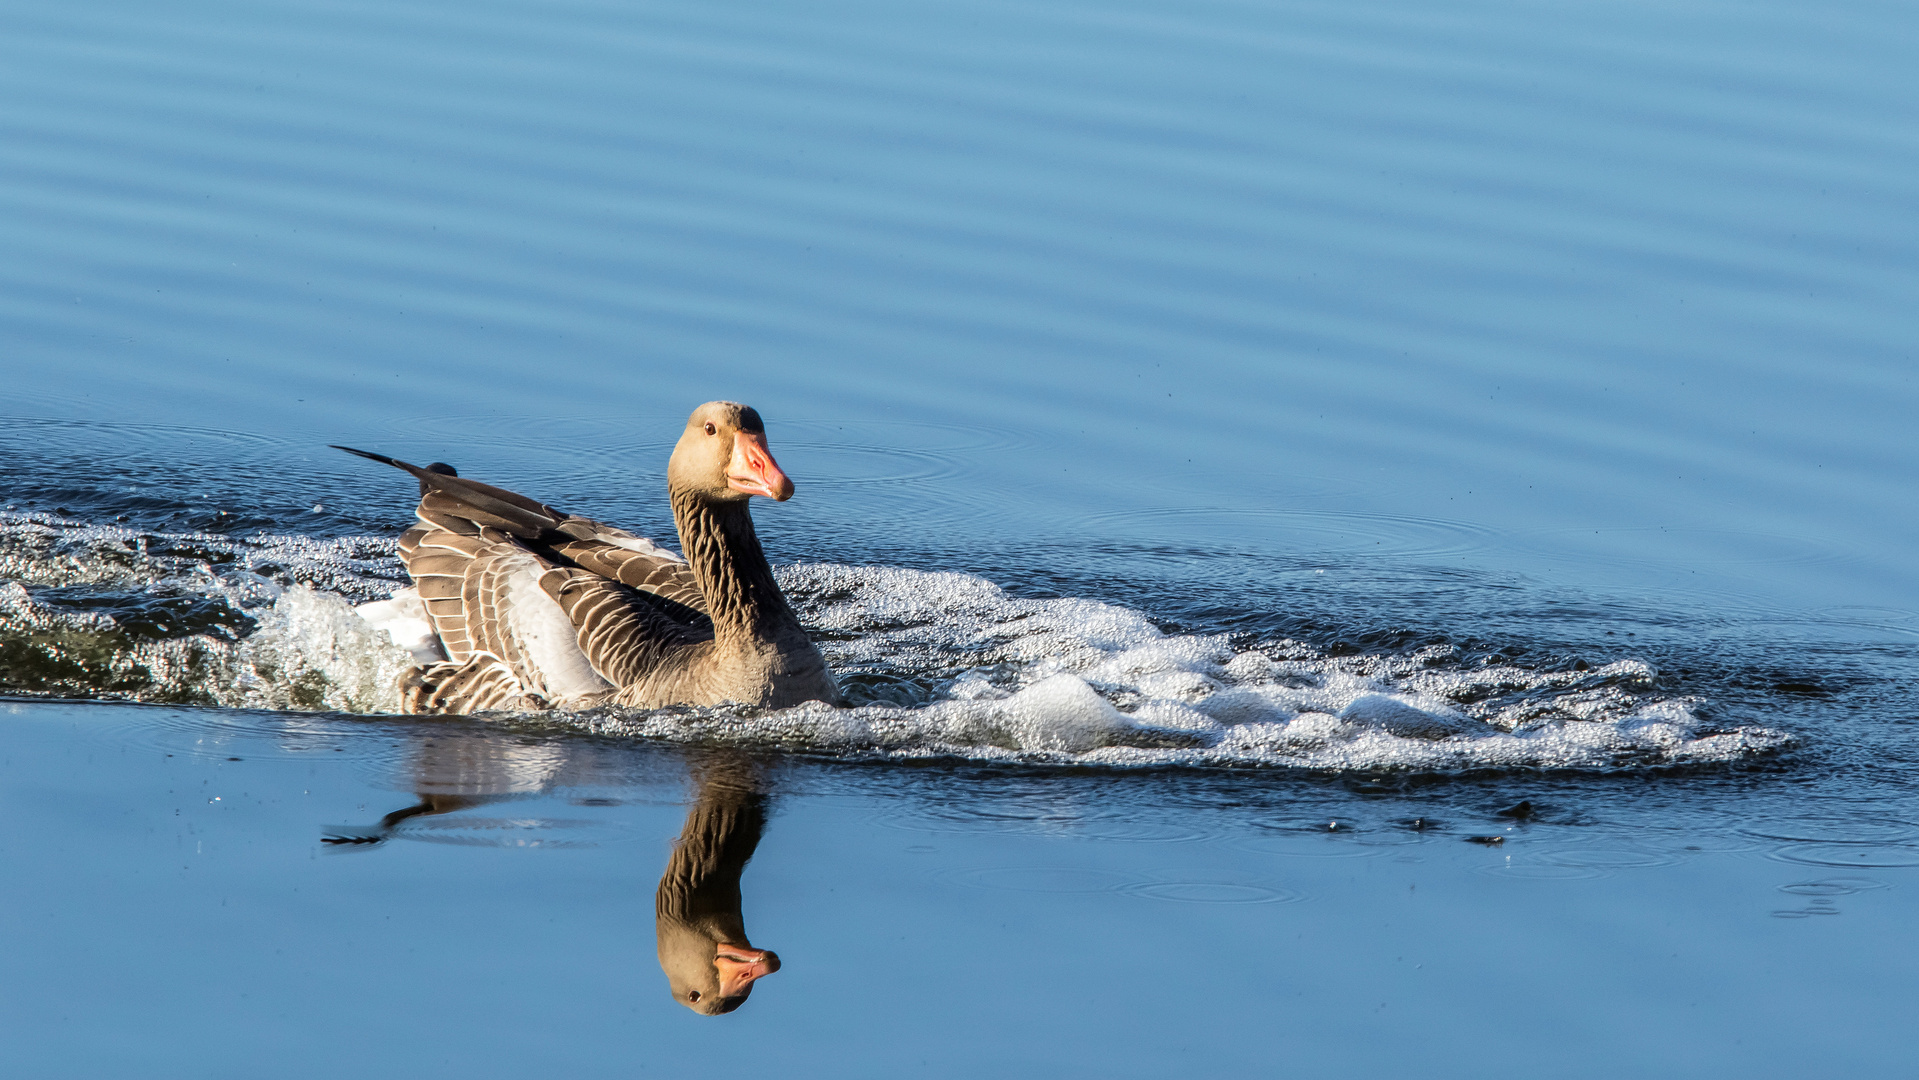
x=530 y=607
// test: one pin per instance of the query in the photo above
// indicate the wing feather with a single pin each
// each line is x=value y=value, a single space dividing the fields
x=481 y=683
x=623 y=632
x=533 y=606
x=621 y=556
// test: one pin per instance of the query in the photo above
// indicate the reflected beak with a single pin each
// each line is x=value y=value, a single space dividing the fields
x=738 y=967
x=754 y=471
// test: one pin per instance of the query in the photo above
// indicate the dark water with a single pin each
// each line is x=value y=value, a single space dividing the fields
x=1242 y=451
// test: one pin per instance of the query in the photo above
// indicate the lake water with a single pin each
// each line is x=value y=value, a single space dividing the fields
x=1362 y=537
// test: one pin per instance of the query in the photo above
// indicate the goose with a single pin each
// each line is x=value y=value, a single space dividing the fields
x=519 y=606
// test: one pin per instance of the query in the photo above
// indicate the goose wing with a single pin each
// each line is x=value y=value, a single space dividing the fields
x=618 y=555
x=481 y=587
x=622 y=631
x=572 y=608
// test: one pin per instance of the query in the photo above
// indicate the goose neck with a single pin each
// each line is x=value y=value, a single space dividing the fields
x=718 y=538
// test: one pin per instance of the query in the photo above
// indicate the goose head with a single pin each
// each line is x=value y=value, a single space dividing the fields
x=722 y=456
x=711 y=977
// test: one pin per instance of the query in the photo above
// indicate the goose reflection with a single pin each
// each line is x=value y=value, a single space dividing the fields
x=452 y=772
x=709 y=963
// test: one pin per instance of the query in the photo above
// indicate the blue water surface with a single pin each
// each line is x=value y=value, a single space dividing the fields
x=1569 y=332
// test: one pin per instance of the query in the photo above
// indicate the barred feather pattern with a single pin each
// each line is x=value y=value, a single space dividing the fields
x=629 y=603
x=618 y=555
x=481 y=684
x=624 y=633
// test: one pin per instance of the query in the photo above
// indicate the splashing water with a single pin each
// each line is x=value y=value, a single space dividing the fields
x=937 y=664
x=90 y=611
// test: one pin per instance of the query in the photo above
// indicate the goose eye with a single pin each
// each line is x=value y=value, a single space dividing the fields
x=694 y=995
x=710 y=429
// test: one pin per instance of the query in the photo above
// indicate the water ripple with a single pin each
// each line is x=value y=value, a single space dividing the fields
x=1303 y=533
x=1860 y=855
x=1834 y=829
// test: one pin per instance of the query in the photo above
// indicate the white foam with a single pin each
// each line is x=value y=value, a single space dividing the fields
x=403 y=620
x=313 y=651
x=307 y=649
x=1004 y=678
x=1083 y=681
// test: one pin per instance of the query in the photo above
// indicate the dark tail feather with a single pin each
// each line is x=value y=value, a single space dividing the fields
x=438 y=468
x=514 y=512
x=425 y=484
x=381 y=458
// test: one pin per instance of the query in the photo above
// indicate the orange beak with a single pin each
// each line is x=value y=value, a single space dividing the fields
x=753 y=469
x=739 y=967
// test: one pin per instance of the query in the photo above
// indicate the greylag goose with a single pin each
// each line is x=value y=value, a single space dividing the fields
x=520 y=606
